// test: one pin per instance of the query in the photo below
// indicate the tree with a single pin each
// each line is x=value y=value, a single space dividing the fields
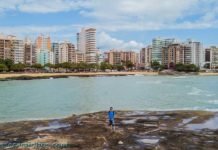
x=155 y=65
x=82 y=66
x=129 y=65
x=207 y=66
x=37 y=66
x=119 y=67
x=57 y=66
x=3 y=67
x=105 y=65
x=66 y=65
x=186 y=67
x=18 y=67
x=49 y=65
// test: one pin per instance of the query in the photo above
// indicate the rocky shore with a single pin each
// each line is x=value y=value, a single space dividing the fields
x=135 y=130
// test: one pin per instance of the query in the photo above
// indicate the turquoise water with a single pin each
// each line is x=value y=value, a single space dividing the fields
x=54 y=98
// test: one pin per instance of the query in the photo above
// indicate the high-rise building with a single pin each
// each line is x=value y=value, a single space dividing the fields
x=197 y=53
x=55 y=50
x=6 y=51
x=86 y=43
x=157 y=45
x=18 y=49
x=43 y=57
x=214 y=57
x=145 y=57
x=71 y=53
x=29 y=53
x=115 y=57
x=63 y=53
x=79 y=57
x=43 y=50
x=176 y=53
x=12 y=48
x=207 y=55
x=66 y=52
x=43 y=42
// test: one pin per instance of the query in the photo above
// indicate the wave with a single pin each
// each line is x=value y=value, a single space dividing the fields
x=213 y=102
x=180 y=77
x=196 y=92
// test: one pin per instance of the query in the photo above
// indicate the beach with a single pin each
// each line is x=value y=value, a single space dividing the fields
x=79 y=74
x=82 y=74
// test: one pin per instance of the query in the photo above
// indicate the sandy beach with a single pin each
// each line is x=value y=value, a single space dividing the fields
x=83 y=74
x=14 y=75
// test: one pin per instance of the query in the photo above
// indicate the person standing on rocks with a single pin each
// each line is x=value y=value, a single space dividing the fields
x=111 y=115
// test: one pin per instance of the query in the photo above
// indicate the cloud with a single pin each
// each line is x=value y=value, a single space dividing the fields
x=106 y=42
x=57 y=32
x=134 y=15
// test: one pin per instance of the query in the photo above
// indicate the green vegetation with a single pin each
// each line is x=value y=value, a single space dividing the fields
x=186 y=67
x=18 y=67
x=155 y=65
x=3 y=67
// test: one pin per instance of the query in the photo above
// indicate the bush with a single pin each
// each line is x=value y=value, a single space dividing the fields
x=3 y=67
x=18 y=67
x=186 y=68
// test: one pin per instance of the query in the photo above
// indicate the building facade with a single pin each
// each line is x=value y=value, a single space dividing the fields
x=176 y=53
x=86 y=43
x=29 y=53
x=18 y=50
x=115 y=57
x=197 y=53
x=214 y=57
x=157 y=45
x=145 y=57
x=6 y=51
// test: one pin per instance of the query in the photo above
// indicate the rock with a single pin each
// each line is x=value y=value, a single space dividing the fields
x=120 y=143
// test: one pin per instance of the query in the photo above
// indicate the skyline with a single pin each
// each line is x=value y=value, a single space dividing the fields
x=121 y=24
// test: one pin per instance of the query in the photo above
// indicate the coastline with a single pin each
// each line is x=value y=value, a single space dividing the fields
x=134 y=130
x=29 y=76
x=10 y=76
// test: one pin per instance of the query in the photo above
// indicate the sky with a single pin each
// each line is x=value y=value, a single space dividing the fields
x=120 y=24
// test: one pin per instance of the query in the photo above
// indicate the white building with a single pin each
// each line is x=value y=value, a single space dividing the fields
x=63 y=52
x=145 y=57
x=18 y=49
x=214 y=57
x=197 y=53
x=86 y=43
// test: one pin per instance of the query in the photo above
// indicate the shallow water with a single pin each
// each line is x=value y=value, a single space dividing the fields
x=42 y=99
x=211 y=123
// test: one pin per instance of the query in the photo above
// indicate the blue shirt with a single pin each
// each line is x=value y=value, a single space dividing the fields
x=111 y=115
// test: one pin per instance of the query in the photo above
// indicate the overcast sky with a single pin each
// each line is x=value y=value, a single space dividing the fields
x=124 y=24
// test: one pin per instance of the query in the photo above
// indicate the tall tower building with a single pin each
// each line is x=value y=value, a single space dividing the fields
x=197 y=53
x=43 y=50
x=18 y=49
x=6 y=48
x=86 y=43
x=145 y=57
x=43 y=42
x=157 y=45
x=55 y=50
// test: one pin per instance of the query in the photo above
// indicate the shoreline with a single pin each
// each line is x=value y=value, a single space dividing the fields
x=133 y=130
x=30 y=76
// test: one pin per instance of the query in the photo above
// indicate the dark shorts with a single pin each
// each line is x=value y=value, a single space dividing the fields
x=111 y=122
